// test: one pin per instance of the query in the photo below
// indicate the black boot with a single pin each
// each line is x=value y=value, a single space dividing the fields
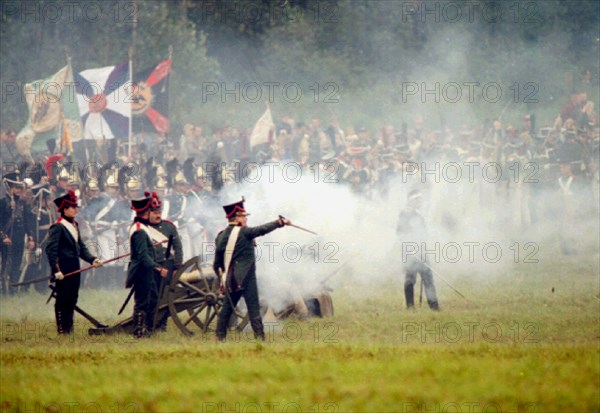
x=221 y=331
x=434 y=306
x=68 y=321
x=139 y=322
x=258 y=328
x=161 y=324
x=60 y=322
x=409 y=294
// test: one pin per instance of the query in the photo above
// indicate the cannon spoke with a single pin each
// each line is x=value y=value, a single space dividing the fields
x=194 y=314
x=192 y=287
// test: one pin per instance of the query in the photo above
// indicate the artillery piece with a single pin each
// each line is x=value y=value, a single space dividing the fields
x=193 y=300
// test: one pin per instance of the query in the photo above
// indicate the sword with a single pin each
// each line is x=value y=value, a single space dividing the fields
x=296 y=226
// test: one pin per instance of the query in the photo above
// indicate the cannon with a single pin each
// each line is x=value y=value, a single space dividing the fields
x=193 y=299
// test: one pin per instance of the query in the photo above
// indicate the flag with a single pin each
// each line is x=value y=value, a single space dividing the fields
x=150 y=106
x=263 y=130
x=67 y=140
x=104 y=99
x=49 y=102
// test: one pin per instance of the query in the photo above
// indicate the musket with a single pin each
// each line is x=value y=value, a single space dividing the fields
x=163 y=282
x=300 y=228
x=442 y=278
x=89 y=267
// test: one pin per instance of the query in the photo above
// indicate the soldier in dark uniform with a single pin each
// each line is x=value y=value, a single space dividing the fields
x=411 y=228
x=64 y=249
x=16 y=220
x=168 y=229
x=235 y=260
x=44 y=217
x=144 y=268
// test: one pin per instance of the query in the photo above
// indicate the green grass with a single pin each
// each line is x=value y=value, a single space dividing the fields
x=513 y=346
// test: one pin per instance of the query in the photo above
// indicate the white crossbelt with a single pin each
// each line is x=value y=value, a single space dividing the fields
x=71 y=228
x=154 y=234
x=229 y=251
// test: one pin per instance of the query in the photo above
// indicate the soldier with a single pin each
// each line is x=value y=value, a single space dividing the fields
x=411 y=227
x=143 y=267
x=64 y=249
x=168 y=229
x=181 y=213
x=44 y=217
x=16 y=220
x=235 y=262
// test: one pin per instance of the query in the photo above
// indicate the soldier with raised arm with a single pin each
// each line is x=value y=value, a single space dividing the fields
x=235 y=259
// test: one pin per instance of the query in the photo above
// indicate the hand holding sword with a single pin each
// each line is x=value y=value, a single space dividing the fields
x=287 y=222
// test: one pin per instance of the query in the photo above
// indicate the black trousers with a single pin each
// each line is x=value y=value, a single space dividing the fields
x=12 y=256
x=250 y=294
x=146 y=297
x=67 y=293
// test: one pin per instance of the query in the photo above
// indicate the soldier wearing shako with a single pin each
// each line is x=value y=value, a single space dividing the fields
x=235 y=260
x=144 y=267
x=64 y=249
x=168 y=230
x=16 y=220
x=44 y=217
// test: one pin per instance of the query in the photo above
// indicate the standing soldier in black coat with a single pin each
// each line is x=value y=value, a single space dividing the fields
x=16 y=220
x=169 y=230
x=235 y=261
x=64 y=249
x=411 y=228
x=144 y=268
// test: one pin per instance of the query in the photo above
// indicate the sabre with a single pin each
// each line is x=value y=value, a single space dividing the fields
x=300 y=228
x=89 y=267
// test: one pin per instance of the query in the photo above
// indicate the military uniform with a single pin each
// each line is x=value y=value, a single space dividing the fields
x=168 y=229
x=64 y=249
x=143 y=267
x=16 y=220
x=44 y=218
x=240 y=275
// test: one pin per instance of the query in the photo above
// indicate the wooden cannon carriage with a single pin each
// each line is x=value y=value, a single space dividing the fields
x=193 y=300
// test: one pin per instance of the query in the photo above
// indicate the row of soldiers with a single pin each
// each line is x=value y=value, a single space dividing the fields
x=27 y=214
x=563 y=161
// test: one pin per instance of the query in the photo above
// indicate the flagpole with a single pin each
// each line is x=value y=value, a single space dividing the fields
x=82 y=137
x=131 y=85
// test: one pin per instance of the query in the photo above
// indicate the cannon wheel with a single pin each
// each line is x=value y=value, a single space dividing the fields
x=194 y=302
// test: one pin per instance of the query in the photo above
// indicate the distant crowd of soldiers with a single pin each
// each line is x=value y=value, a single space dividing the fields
x=190 y=172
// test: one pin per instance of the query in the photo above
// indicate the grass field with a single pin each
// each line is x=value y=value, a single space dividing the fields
x=525 y=341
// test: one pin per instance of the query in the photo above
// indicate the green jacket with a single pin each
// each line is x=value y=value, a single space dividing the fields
x=243 y=261
x=168 y=228
x=143 y=257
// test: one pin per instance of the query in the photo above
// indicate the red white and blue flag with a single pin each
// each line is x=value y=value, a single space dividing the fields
x=104 y=99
